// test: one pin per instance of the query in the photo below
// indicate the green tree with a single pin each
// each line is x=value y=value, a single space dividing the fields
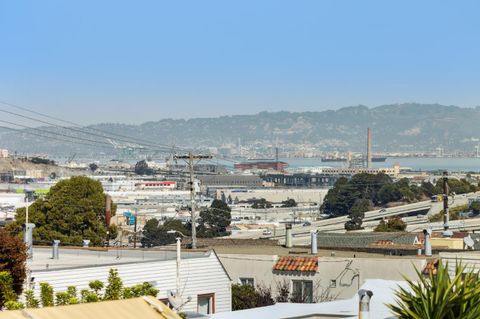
x=114 y=290
x=261 y=203
x=13 y=258
x=247 y=297
x=475 y=207
x=215 y=220
x=30 y=300
x=440 y=296
x=155 y=234
x=357 y=213
x=141 y=168
x=73 y=210
x=93 y=167
x=393 y=224
x=289 y=203
x=7 y=292
x=46 y=294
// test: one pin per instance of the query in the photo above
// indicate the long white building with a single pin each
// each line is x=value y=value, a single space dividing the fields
x=203 y=280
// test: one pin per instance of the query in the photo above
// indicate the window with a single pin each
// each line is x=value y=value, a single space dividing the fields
x=302 y=291
x=333 y=283
x=247 y=281
x=206 y=304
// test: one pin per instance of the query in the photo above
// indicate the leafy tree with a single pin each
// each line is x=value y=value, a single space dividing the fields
x=157 y=235
x=73 y=210
x=62 y=298
x=14 y=305
x=30 y=300
x=247 y=297
x=46 y=294
x=457 y=186
x=141 y=168
x=114 y=290
x=394 y=224
x=440 y=295
x=215 y=220
x=93 y=167
x=289 y=203
x=357 y=213
x=13 y=258
x=96 y=286
x=6 y=288
x=145 y=289
x=261 y=203
x=475 y=207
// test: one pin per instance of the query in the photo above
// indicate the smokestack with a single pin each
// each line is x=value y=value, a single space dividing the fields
x=55 y=253
x=428 y=245
x=29 y=239
x=364 y=298
x=369 y=148
x=288 y=235
x=313 y=242
x=108 y=209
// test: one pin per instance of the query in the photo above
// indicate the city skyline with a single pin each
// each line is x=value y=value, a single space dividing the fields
x=99 y=62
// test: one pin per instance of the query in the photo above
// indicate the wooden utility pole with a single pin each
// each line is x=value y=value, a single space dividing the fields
x=189 y=159
x=446 y=216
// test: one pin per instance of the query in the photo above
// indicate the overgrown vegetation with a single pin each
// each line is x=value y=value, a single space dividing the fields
x=353 y=197
x=114 y=290
x=393 y=224
x=73 y=210
x=440 y=296
x=13 y=257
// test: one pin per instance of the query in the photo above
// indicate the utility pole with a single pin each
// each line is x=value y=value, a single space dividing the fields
x=189 y=159
x=135 y=229
x=446 y=231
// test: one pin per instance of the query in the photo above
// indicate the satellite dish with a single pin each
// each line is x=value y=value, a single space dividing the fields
x=469 y=242
x=175 y=301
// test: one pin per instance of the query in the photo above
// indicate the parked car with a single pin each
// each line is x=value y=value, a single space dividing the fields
x=307 y=224
x=267 y=232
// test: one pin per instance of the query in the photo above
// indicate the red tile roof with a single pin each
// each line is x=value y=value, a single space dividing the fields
x=296 y=263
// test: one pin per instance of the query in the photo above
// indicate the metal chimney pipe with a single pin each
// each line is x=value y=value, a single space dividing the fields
x=369 y=148
x=29 y=239
x=428 y=245
x=313 y=242
x=364 y=298
x=288 y=235
x=55 y=249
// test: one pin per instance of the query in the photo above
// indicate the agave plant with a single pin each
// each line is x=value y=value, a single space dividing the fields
x=440 y=296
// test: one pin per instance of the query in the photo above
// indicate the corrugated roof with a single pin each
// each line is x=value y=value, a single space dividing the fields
x=362 y=240
x=296 y=263
x=144 y=307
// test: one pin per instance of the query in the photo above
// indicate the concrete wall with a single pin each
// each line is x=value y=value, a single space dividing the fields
x=341 y=270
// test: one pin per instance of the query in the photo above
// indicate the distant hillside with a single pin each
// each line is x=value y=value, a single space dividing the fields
x=399 y=127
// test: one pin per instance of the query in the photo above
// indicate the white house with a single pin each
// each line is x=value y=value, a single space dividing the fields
x=203 y=280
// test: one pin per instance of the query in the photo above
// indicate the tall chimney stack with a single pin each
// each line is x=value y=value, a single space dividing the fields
x=369 y=148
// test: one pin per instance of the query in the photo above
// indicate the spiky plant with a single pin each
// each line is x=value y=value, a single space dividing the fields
x=440 y=296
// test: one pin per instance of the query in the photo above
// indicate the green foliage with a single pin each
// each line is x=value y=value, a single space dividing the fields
x=73 y=210
x=6 y=288
x=30 y=300
x=261 y=203
x=13 y=256
x=62 y=298
x=393 y=224
x=145 y=289
x=141 y=168
x=156 y=235
x=453 y=212
x=89 y=296
x=46 y=294
x=14 y=305
x=93 y=167
x=96 y=286
x=357 y=213
x=246 y=297
x=215 y=220
x=475 y=207
x=440 y=296
x=289 y=203
x=114 y=289
x=457 y=186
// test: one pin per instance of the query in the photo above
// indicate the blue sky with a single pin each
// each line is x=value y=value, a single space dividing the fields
x=132 y=61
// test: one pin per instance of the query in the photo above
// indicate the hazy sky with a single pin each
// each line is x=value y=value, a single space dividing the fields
x=131 y=61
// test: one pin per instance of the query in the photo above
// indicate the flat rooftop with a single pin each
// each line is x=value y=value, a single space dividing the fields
x=75 y=257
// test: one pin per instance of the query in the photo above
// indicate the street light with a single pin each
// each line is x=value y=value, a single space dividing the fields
x=173 y=231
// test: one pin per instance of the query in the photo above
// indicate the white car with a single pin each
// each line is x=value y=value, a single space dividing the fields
x=267 y=232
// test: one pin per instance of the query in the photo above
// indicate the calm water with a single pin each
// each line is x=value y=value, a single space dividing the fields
x=423 y=164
